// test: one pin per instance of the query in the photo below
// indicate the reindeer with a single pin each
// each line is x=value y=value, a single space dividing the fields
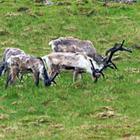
x=80 y=62
x=25 y=63
x=71 y=44
x=74 y=45
x=16 y=61
x=72 y=61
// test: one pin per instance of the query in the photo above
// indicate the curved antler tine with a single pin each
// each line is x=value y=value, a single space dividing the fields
x=127 y=49
x=122 y=43
x=114 y=66
x=111 y=67
x=124 y=48
x=106 y=53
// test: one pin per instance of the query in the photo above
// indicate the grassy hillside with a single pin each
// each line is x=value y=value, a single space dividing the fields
x=107 y=110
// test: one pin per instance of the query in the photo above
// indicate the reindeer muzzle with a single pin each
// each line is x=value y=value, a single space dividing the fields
x=98 y=73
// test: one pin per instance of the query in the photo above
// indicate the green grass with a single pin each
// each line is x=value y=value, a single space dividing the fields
x=107 y=110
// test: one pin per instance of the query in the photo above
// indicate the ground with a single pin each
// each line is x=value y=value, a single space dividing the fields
x=106 y=110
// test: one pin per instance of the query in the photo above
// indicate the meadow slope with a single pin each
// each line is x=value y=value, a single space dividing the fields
x=107 y=110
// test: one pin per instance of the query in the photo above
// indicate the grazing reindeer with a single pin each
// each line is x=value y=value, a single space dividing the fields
x=71 y=44
x=79 y=62
x=25 y=63
x=57 y=61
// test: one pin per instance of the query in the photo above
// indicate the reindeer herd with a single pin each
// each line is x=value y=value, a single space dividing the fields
x=68 y=53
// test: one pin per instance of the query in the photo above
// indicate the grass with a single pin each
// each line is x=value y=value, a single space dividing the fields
x=108 y=110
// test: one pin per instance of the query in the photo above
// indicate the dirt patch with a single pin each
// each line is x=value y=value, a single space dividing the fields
x=129 y=137
x=4 y=117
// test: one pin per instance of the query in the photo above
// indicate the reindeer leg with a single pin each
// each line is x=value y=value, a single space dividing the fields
x=75 y=74
x=20 y=77
x=1 y=69
x=36 y=78
x=8 y=80
x=12 y=76
x=80 y=76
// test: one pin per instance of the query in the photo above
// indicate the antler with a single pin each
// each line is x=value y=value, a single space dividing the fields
x=115 y=48
x=112 y=51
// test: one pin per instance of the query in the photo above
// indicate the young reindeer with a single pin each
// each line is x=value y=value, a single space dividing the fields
x=25 y=63
x=77 y=61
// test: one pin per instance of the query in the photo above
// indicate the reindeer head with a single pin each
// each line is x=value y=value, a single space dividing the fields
x=48 y=81
x=96 y=73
